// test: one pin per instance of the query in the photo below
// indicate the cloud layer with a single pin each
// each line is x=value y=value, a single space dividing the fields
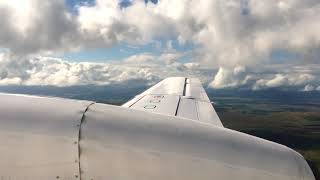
x=228 y=32
x=58 y=72
x=298 y=77
x=150 y=69
x=240 y=40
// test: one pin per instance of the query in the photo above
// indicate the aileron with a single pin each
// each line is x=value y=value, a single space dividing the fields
x=181 y=96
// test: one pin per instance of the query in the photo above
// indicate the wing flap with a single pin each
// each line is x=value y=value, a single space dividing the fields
x=187 y=109
x=177 y=96
x=207 y=114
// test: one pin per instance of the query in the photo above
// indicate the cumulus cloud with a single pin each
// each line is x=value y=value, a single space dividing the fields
x=58 y=72
x=284 y=80
x=235 y=37
x=140 y=58
x=228 y=32
x=308 y=88
x=39 y=70
x=168 y=58
x=47 y=27
x=192 y=65
x=226 y=78
x=297 y=78
x=37 y=26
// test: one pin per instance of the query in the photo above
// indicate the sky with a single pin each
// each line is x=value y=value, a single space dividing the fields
x=228 y=44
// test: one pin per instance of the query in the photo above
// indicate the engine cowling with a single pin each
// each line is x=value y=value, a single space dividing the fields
x=52 y=138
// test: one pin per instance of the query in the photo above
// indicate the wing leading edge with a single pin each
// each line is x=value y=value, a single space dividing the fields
x=177 y=96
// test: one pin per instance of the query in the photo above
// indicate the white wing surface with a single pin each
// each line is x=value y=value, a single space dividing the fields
x=52 y=138
x=177 y=96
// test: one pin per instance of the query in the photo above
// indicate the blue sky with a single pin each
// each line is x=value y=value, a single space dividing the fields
x=123 y=50
x=72 y=4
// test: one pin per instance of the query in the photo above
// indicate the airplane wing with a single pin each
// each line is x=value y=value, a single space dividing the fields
x=177 y=96
x=45 y=138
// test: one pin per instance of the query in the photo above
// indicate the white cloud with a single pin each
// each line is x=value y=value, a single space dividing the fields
x=298 y=77
x=191 y=65
x=170 y=58
x=308 y=88
x=58 y=72
x=228 y=35
x=37 y=26
x=140 y=58
x=11 y=81
x=15 y=70
x=47 y=27
x=227 y=78
x=284 y=80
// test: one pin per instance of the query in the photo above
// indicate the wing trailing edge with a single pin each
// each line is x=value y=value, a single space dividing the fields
x=177 y=96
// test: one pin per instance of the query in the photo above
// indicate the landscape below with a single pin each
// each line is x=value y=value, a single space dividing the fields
x=291 y=118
